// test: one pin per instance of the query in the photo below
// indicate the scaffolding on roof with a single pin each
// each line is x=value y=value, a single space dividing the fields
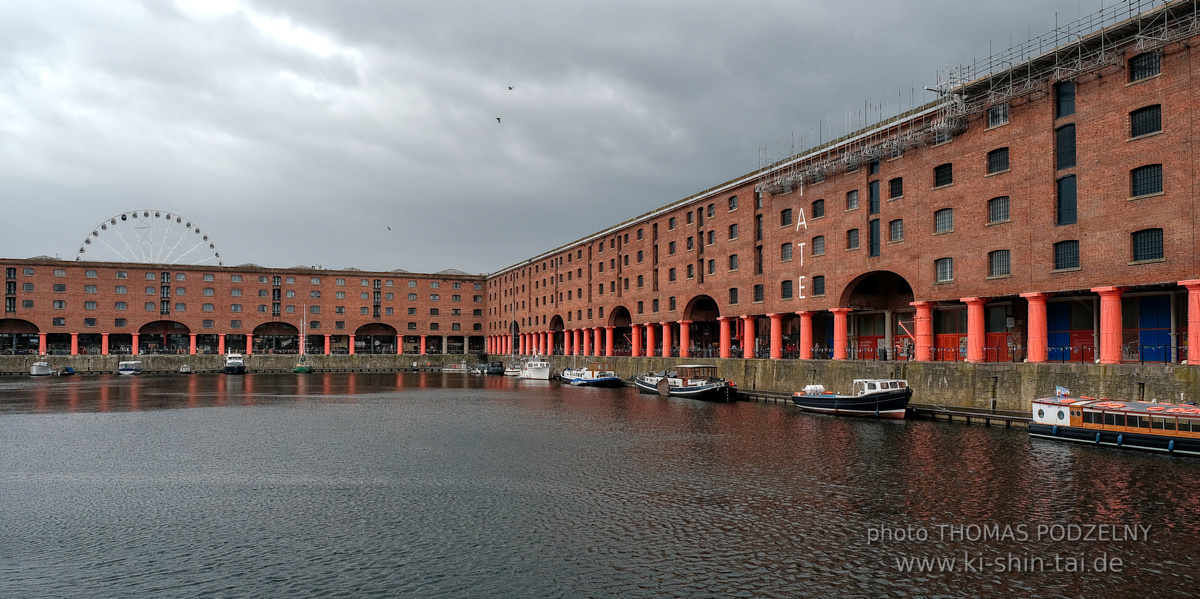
x=1066 y=53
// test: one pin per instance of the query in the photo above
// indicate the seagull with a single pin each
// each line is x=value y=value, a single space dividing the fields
x=510 y=88
x=497 y=119
x=389 y=228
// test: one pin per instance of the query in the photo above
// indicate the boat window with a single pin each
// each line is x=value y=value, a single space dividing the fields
x=1134 y=421
x=1168 y=424
x=1156 y=423
x=1185 y=425
x=1060 y=415
x=1091 y=417
x=870 y=386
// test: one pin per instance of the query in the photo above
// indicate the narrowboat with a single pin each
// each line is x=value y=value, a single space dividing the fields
x=596 y=374
x=694 y=381
x=1163 y=427
x=875 y=398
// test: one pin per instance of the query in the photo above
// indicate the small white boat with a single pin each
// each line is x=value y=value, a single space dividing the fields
x=130 y=367
x=460 y=367
x=40 y=369
x=234 y=364
x=185 y=369
x=596 y=374
x=512 y=370
x=535 y=369
x=878 y=398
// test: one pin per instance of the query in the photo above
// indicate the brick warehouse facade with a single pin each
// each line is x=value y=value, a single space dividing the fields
x=1043 y=212
x=59 y=307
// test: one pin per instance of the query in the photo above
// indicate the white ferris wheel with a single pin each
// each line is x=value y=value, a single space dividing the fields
x=149 y=237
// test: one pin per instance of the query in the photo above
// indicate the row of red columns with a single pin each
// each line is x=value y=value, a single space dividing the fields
x=580 y=341
x=104 y=348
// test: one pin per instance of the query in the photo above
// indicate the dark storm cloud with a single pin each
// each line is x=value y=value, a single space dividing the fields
x=296 y=132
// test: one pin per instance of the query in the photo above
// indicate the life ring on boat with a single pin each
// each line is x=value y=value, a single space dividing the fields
x=1156 y=408
x=1065 y=401
x=1176 y=410
x=1192 y=411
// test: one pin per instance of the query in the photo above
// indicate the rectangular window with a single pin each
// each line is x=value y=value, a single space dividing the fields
x=873 y=238
x=785 y=253
x=943 y=220
x=1148 y=245
x=818 y=285
x=121 y=274
x=89 y=305
x=1144 y=66
x=1066 y=255
x=997 y=161
x=818 y=208
x=818 y=245
x=670 y=276
x=785 y=217
x=945 y=269
x=691 y=271
x=733 y=295
x=852 y=239
x=1064 y=99
x=235 y=308
x=873 y=197
x=122 y=306
x=733 y=203
x=206 y=307
x=896 y=230
x=671 y=224
x=90 y=274
x=852 y=200
x=1146 y=180
x=1145 y=121
x=943 y=174
x=1064 y=147
x=1065 y=212
x=998 y=264
x=59 y=322
x=733 y=262
x=997 y=115
x=758 y=293
x=670 y=249
x=998 y=210
x=896 y=188
x=785 y=289
x=89 y=289
x=59 y=304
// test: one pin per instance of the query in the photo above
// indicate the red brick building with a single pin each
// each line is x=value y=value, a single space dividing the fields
x=1044 y=208
x=55 y=306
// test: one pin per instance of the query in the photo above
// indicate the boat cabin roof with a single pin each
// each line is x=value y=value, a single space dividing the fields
x=696 y=370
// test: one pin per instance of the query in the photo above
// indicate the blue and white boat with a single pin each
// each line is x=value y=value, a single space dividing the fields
x=596 y=374
x=129 y=367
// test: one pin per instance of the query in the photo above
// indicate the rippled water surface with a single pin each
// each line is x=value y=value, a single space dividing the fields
x=431 y=485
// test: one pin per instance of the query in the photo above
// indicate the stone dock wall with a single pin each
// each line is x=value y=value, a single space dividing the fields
x=959 y=384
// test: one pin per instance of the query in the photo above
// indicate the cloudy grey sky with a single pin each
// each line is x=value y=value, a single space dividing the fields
x=297 y=131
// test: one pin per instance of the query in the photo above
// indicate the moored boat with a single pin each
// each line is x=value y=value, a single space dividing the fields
x=512 y=370
x=129 y=367
x=877 y=398
x=496 y=368
x=596 y=374
x=66 y=371
x=185 y=369
x=40 y=369
x=1164 y=427
x=234 y=364
x=460 y=367
x=535 y=369
x=694 y=381
x=302 y=366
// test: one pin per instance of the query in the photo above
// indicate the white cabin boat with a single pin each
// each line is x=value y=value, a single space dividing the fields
x=40 y=369
x=695 y=381
x=234 y=364
x=512 y=370
x=535 y=369
x=129 y=367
